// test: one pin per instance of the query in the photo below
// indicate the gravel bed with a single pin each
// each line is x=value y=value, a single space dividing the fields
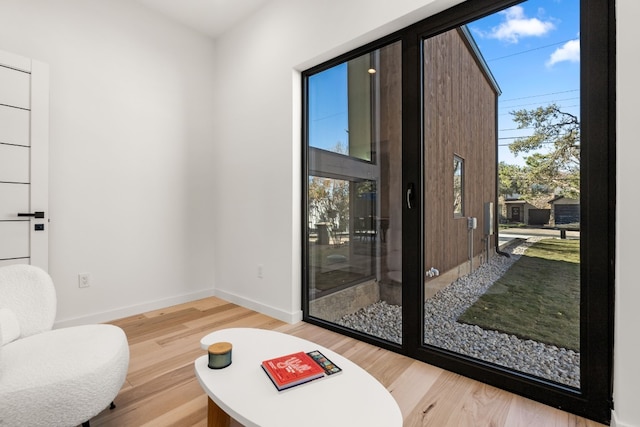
x=442 y=329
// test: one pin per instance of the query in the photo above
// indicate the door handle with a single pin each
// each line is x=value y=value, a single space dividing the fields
x=410 y=195
x=37 y=214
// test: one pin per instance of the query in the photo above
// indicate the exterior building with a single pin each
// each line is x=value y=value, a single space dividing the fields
x=564 y=211
x=460 y=137
x=521 y=211
x=460 y=150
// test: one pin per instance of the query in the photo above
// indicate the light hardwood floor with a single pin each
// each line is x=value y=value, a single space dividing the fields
x=161 y=388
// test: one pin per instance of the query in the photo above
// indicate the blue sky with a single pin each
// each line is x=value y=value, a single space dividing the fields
x=328 y=120
x=532 y=50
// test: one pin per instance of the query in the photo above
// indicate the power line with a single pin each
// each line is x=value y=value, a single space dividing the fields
x=537 y=103
x=504 y=130
x=537 y=96
x=531 y=50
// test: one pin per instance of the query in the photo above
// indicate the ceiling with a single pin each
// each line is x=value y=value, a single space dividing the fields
x=210 y=17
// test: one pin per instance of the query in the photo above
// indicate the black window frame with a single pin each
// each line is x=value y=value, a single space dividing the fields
x=598 y=146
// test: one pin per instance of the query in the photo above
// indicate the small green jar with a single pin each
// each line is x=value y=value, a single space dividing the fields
x=220 y=355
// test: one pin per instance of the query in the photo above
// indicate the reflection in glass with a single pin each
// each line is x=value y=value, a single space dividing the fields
x=458 y=186
x=354 y=198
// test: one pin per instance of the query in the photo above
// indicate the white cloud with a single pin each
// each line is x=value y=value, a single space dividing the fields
x=517 y=25
x=570 y=51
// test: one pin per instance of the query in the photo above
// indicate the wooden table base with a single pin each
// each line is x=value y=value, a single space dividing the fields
x=216 y=417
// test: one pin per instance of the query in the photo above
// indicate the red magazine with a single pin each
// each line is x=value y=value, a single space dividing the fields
x=291 y=370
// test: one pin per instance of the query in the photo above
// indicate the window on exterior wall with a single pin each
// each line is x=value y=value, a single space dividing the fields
x=458 y=187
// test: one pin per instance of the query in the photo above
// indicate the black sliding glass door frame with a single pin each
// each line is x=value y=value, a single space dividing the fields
x=597 y=203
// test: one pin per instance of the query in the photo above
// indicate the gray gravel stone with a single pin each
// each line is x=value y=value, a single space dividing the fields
x=442 y=330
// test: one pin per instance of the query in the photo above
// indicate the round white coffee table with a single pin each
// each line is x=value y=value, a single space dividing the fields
x=243 y=391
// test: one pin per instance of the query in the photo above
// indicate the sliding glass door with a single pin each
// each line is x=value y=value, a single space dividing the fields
x=354 y=163
x=458 y=186
x=493 y=108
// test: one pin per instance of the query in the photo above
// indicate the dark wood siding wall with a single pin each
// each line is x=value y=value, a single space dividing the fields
x=390 y=136
x=459 y=119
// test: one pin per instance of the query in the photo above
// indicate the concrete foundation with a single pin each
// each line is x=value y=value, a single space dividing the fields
x=347 y=301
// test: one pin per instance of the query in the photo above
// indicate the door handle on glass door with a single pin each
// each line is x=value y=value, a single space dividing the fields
x=410 y=196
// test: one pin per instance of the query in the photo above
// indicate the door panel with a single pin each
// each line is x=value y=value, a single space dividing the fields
x=15 y=239
x=15 y=126
x=354 y=192
x=15 y=198
x=14 y=163
x=24 y=141
x=14 y=88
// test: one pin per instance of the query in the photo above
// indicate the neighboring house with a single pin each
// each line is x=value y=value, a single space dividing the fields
x=521 y=211
x=517 y=210
x=564 y=211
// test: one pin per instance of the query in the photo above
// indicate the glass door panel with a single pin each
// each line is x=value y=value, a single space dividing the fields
x=354 y=194
x=494 y=108
x=482 y=128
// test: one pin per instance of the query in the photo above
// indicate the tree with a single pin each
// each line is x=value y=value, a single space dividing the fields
x=511 y=180
x=329 y=201
x=558 y=168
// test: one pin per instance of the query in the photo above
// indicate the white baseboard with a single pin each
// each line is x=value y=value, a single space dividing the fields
x=616 y=423
x=132 y=310
x=290 y=318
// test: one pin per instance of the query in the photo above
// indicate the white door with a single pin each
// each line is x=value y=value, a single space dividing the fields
x=24 y=159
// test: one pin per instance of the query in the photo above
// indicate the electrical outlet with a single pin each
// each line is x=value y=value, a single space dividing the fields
x=84 y=280
x=260 y=268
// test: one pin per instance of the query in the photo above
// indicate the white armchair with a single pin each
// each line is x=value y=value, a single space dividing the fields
x=60 y=377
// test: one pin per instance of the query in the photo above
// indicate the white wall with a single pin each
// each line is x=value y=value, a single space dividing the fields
x=259 y=109
x=131 y=192
x=627 y=344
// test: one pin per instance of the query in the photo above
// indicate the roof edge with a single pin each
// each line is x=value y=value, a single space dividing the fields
x=478 y=54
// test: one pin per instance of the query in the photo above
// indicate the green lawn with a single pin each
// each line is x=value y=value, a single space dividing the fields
x=538 y=298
